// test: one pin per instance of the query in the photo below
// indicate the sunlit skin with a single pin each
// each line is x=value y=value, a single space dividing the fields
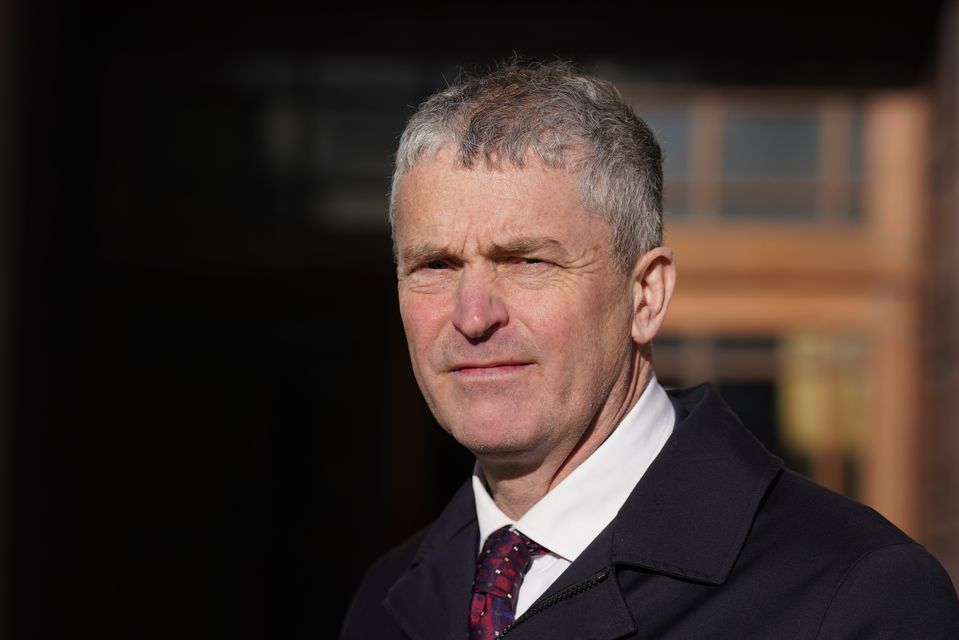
x=527 y=341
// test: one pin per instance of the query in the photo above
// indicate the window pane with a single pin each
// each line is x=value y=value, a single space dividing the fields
x=770 y=145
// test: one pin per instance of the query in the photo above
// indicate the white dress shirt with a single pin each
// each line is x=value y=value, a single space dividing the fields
x=576 y=510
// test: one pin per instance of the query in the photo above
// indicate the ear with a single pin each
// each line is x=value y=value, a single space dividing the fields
x=654 y=277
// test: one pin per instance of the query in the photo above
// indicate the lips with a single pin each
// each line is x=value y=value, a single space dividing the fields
x=489 y=368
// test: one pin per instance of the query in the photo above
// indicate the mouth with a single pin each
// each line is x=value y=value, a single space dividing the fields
x=480 y=369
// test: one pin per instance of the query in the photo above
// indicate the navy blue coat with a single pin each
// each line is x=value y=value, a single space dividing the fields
x=716 y=541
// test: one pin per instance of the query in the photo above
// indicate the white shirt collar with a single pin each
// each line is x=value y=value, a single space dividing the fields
x=576 y=510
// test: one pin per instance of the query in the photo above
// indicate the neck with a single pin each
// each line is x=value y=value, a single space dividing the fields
x=515 y=488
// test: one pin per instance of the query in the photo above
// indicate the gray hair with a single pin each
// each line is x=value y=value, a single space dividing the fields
x=570 y=121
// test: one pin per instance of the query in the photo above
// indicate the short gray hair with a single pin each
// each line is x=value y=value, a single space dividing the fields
x=570 y=121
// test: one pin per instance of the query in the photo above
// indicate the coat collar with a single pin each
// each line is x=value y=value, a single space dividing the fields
x=688 y=517
x=691 y=512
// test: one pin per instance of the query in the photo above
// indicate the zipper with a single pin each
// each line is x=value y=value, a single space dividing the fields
x=556 y=598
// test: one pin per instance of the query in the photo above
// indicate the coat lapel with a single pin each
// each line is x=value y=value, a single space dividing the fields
x=690 y=514
x=431 y=600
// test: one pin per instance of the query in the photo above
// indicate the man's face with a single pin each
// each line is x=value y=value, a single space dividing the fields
x=517 y=319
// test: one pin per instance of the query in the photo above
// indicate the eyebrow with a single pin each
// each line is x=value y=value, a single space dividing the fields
x=523 y=246
x=425 y=252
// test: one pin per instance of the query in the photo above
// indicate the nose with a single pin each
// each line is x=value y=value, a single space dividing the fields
x=480 y=308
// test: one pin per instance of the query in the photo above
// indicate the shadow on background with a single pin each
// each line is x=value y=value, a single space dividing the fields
x=214 y=422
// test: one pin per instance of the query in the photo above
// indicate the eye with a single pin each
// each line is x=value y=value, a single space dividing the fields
x=526 y=260
x=431 y=266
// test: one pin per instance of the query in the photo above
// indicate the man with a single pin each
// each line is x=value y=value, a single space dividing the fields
x=527 y=219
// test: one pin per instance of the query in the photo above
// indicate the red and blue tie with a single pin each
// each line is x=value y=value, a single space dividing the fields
x=504 y=560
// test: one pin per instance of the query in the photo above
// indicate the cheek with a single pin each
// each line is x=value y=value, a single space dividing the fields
x=423 y=318
x=563 y=338
x=586 y=332
x=568 y=321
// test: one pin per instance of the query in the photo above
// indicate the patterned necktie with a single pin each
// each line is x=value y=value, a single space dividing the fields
x=504 y=560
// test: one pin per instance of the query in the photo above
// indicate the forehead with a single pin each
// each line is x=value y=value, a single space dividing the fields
x=441 y=201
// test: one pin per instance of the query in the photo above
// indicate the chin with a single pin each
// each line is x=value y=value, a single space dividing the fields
x=490 y=437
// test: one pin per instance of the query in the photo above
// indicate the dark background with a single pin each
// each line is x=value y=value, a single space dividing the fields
x=211 y=415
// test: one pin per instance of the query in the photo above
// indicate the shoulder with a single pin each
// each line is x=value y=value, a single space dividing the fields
x=876 y=580
x=894 y=591
x=833 y=563
x=796 y=508
x=365 y=614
